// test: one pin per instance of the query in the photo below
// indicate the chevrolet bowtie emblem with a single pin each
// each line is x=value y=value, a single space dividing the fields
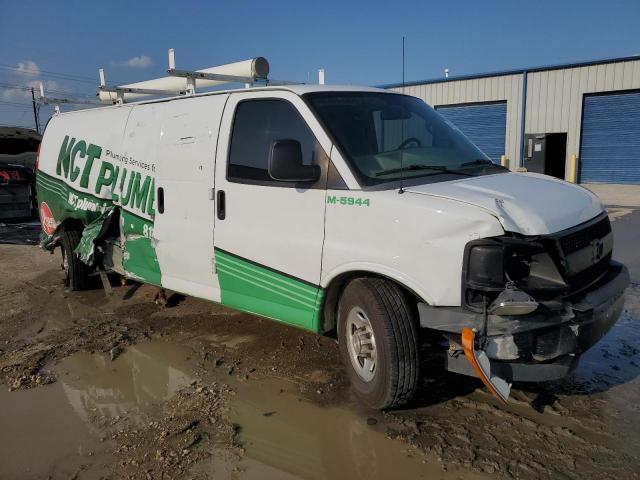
x=597 y=249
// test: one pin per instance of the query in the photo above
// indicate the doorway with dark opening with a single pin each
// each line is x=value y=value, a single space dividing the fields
x=546 y=153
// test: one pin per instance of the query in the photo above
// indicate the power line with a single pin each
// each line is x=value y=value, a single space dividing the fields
x=7 y=85
x=28 y=87
x=47 y=90
x=9 y=102
x=44 y=73
x=37 y=71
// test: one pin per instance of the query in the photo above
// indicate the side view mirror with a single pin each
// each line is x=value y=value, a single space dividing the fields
x=285 y=163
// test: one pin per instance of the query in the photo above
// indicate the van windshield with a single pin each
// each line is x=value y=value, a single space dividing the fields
x=388 y=136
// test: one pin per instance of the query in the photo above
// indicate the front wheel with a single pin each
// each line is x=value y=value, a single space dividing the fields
x=378 y=342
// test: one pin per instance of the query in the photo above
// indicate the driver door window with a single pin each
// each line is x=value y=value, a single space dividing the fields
x=257 y=124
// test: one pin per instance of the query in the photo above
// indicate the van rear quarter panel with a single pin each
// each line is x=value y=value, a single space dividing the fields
x=134 y=149
x=415 y=240
x=94 y=160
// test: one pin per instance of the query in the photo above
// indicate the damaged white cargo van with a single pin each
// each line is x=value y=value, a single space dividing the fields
x=337 y=209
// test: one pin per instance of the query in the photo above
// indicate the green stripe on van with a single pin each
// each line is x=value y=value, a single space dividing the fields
x=256 y=289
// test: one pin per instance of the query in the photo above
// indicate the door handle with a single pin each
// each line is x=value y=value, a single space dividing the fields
x=160 y=200
x=221 y=205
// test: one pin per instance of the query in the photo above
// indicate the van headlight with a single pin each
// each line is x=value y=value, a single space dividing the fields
x=490 y=264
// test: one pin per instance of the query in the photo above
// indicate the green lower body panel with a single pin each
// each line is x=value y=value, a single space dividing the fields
x=252 y=288
x=139 y=256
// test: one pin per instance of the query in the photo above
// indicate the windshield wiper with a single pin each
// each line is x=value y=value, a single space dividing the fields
x=481 y=162
x=438 y=168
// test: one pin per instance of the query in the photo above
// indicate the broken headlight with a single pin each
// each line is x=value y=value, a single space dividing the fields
x=492 y=263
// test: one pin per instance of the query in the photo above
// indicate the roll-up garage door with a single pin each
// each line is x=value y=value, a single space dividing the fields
x=610 y=146
x=484 y=124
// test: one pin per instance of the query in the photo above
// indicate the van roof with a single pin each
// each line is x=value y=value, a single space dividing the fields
x=300 y=89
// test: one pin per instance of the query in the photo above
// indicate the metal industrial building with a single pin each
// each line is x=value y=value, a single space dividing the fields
x=540 y=118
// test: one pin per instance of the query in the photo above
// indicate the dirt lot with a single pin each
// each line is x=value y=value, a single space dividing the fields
x=117 y=387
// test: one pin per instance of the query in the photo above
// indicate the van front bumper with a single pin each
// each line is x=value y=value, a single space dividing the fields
x=544 y=345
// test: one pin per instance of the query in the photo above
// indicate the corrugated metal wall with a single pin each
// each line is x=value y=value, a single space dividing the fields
x=554 y=98
x=479 y=90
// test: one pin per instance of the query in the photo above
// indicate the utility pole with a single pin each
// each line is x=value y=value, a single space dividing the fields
x=35 y=110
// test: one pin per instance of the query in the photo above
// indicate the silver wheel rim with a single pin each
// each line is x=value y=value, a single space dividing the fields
x=361 y=344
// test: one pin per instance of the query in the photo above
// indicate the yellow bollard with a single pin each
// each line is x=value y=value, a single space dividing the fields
x=573 y=169
x=504 y=161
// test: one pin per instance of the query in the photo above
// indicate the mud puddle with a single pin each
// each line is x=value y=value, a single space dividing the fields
x=42 y=436
x=102 y=412
x=64 y=422
x=285 y=436
x=133 y=386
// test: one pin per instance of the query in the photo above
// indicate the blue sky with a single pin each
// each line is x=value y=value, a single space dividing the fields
x=356 y=42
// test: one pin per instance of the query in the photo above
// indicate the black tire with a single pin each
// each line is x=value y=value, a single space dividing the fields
x=397 y=363
x=76 y=272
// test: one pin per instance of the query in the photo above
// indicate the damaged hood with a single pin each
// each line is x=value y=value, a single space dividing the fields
x=529 y=204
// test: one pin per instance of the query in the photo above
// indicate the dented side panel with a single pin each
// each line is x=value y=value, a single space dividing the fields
x=139 y=258
x=98 y=162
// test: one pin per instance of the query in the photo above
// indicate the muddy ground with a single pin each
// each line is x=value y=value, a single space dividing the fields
x=97 y=386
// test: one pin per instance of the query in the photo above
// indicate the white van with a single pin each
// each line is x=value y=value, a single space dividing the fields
x=355 y=212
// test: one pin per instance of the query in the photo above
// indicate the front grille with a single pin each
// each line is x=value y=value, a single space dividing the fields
x=582 y=238
x=589 y=275
x=575 y=241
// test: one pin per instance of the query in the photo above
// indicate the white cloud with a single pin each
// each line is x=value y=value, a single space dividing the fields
x=28 y=68
x=26 y=75
x=141 y=61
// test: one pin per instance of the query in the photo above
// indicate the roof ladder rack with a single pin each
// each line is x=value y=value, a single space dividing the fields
x=192 y=76
x=249 y=72
x=121 y=90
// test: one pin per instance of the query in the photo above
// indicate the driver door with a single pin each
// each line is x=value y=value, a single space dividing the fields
x=268 y=233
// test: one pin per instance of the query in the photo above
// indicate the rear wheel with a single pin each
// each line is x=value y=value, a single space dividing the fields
x=378 y=342
x=76 y=272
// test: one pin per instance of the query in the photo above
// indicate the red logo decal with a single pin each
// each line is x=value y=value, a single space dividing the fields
x=49 y=223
